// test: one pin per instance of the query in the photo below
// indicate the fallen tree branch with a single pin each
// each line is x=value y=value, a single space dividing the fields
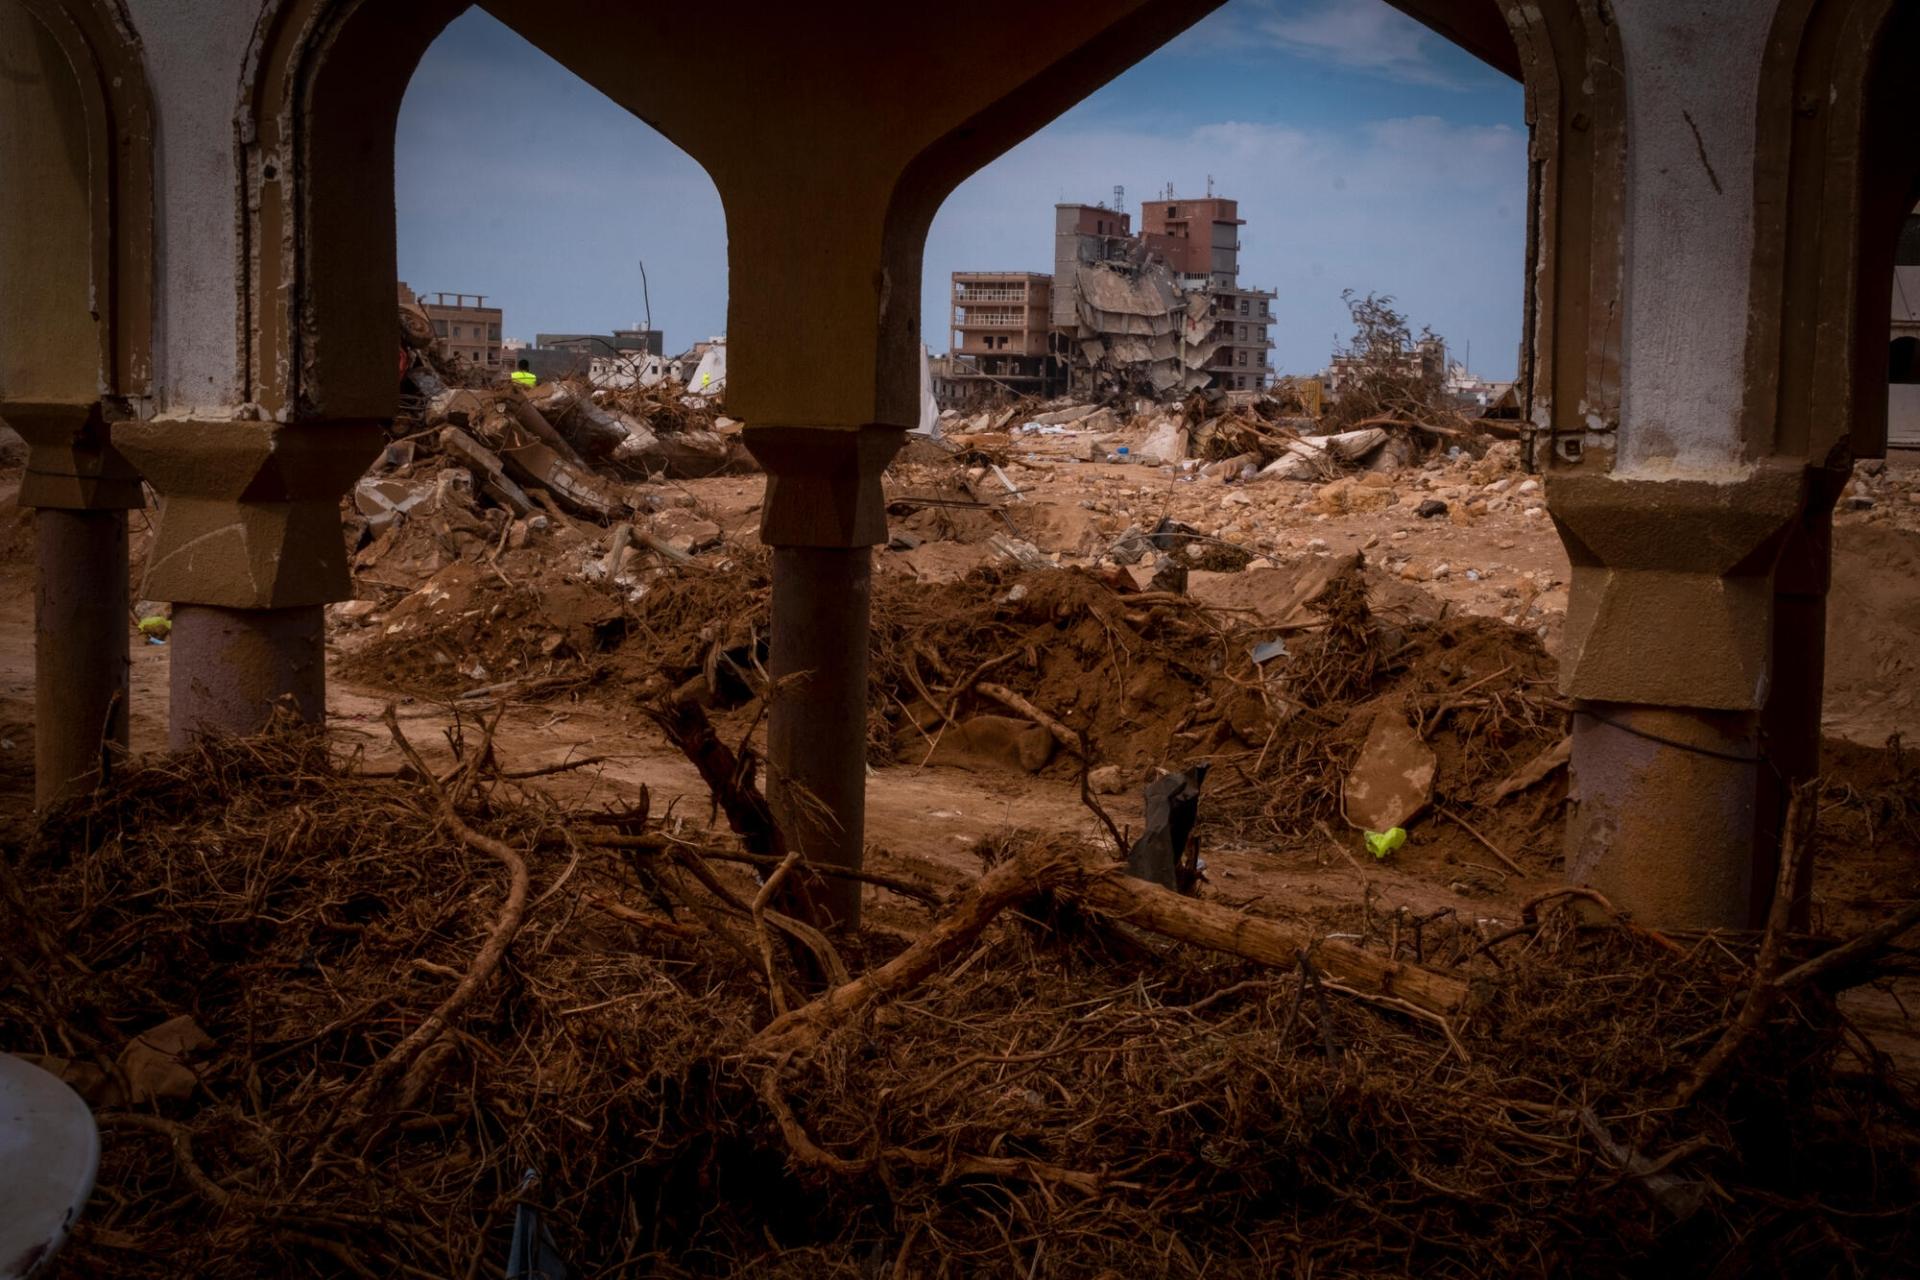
x=1072 y=873
x=181 y=1137
x=1852 y=952
x=809 y=1152
x=759 y=906
x=1802 y=812
x=653 y=843
x=1014 y=702
x=410 y=1052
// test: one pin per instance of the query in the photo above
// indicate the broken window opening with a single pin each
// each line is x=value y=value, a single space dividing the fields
x=1903 y=362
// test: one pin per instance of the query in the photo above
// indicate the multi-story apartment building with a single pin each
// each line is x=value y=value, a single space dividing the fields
x=1160 y=311
x=1200 y=240
x=1000 y=331
x=465 y=325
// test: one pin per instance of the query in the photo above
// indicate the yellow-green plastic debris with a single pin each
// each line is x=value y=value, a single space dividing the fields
x=1382 y=843
x=156 y=627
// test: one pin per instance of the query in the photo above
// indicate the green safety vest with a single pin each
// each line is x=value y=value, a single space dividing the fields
x=525 y=377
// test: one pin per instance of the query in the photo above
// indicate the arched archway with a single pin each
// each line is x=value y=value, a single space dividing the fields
x=829 y=173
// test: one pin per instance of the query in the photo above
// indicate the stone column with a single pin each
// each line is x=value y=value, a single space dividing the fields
x=82 y=490
x=1668 y=660
x=249 y=550
x=823 y=515
x=1790 y=721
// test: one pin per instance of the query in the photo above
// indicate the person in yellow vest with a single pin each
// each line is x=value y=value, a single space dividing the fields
x=524 y=376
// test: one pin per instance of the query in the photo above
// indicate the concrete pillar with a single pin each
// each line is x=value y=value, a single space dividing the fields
x=1663 y=814
x=249 y=549
x=80 y=631
x=231 y=667
x=1669 y=660
x=1790 y=721
x=824 y=512
x=817 y=723
x=82 y=489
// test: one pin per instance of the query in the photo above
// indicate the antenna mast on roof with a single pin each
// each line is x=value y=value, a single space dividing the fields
x=1209 y=186
x=1119 y=198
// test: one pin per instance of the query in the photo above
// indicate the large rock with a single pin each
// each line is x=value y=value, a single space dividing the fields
x=1166 y=443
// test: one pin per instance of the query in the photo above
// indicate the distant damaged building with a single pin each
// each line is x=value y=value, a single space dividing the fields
x=1002 y=335
x=1122 y=319
x=1200 y=240
x=1159 y=313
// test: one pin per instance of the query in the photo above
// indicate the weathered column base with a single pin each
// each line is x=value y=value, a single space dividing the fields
x=81 y=489
x=824 y=512
x=1669 y=660
x=232 y=667
x=1663 y=813
x=80 y=629
x=249 y=550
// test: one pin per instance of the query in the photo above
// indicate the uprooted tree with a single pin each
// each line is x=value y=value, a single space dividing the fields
x=1387 y=372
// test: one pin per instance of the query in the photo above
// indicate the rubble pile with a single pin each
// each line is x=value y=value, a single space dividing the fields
x=1877 y=494
x=1060 y=672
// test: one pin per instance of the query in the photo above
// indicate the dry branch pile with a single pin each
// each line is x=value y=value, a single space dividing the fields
x=415 y=992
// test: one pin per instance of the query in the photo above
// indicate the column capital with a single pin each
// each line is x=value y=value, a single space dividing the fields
x=823 y=484
x=1672 y=592
x=72 y=464
x=249 y=511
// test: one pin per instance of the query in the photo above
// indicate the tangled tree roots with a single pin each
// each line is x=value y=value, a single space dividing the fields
x=396 y=1044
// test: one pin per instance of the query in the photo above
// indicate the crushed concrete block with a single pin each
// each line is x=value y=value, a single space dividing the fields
x=1392 y=779
x=1166 y=443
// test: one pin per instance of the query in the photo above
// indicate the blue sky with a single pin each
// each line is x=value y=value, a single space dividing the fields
x=1365 y=152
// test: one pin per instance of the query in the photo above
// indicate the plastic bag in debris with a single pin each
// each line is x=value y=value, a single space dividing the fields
x=1173 y=804
x=532 y=1254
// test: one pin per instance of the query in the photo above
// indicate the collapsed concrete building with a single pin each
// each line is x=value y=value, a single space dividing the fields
x=1158 y=313
x=214 y=317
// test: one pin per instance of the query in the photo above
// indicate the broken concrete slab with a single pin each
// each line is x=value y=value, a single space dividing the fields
x=154 y=1061
x=574 y=487
x=1277 y=596
x=1165 y=444
x=1392 y=779
x=490 y=472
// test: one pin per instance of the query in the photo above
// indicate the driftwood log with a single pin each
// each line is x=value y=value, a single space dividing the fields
x=1082 y=876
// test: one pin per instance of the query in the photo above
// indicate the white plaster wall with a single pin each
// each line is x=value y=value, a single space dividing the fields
x=1903 y=415
x=194 y=53
x=1692 y=83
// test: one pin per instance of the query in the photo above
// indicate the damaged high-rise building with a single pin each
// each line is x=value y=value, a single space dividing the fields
x=1161 y=312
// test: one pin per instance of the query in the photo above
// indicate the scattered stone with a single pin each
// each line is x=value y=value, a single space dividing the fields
x=1430 y=508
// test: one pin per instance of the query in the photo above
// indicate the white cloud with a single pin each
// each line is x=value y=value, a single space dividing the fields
x=1419 y=207
x=1361 y=35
